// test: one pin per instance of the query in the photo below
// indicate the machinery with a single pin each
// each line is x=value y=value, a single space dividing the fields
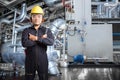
x=83 y=31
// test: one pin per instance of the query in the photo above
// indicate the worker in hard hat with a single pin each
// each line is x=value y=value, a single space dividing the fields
x=36 y=39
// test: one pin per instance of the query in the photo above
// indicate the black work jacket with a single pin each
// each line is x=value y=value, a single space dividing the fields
x=36 y=50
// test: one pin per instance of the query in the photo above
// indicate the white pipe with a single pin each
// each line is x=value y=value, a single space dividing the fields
x=97 y=58
x=15 y=39
x=99 y=10
x=23 y=13
x=13 y=32
x=64 y=44
x=22 y=27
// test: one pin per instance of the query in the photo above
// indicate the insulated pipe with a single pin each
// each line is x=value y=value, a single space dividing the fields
x=63 y=4
x=110 y=11
x=99 y=10
x=21 y=28
x=20 y=18
x=13 y=32
x=5 y=21
x=116 y=1
x=23 y=13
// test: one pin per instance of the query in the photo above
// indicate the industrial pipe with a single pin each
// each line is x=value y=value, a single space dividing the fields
x=20 y=18
x=23 y=13
x=110 y=11
x=21 y=28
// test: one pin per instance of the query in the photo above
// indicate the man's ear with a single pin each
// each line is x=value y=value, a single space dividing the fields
x=43 y=20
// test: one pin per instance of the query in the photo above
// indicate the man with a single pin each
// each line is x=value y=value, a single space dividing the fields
x=35 y=39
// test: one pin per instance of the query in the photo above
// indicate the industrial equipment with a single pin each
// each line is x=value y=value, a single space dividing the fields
x=86 y=32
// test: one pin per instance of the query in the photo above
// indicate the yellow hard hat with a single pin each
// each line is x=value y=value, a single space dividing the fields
x=37 y=10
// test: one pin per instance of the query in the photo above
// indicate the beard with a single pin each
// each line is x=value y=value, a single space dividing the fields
x=36 y=24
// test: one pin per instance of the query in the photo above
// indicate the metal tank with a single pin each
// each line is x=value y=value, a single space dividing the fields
x=9 y=56
x=18 y=57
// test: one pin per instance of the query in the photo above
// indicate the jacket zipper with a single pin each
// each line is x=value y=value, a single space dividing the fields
x=36 y=56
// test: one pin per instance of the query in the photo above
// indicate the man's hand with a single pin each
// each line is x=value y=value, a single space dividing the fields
x=44 y=36
x=32 y=37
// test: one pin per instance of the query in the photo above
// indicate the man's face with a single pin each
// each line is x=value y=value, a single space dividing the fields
x=36 y=19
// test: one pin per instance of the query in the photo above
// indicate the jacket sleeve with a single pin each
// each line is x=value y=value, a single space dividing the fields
x=49 y=40
x=25 y=39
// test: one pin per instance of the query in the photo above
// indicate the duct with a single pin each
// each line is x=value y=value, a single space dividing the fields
x=53 y=68
x=111 y=10
x=58 y=24
x=52 y=60
x=20 y=18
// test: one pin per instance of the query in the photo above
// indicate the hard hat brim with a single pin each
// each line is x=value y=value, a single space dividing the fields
x=37 y=13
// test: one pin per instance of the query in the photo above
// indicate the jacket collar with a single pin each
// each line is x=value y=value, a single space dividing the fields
x=32 y=27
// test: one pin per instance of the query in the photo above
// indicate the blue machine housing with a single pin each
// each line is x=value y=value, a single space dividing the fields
x=78 y=58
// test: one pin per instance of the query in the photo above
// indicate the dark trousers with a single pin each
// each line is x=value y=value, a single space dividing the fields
x=30 y=73
x=31 y=68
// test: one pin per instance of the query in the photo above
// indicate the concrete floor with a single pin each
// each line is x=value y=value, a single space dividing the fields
x=80 y=74
x=88 y=74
